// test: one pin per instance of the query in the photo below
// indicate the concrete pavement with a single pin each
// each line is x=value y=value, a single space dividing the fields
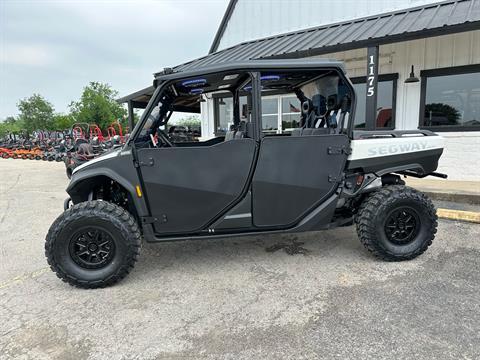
x=467 y=192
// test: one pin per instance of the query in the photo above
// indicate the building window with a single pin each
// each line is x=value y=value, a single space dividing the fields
x=269 y=115
x=290 y=113
x=450 y=99
x=386 y=99
x=280 y=113
x=224 y=113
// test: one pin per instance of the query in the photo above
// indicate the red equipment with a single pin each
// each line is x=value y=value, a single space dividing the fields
x=112 y=131
x=96 y=131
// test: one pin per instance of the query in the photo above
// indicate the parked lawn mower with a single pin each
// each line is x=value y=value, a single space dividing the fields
x=74 y=147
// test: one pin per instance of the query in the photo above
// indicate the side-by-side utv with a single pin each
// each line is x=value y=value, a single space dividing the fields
x=320 y=174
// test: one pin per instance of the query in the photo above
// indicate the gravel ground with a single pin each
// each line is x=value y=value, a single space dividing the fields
x=233 y=299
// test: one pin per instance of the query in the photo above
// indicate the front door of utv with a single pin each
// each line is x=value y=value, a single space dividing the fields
x=294 y=175
x=188 y=187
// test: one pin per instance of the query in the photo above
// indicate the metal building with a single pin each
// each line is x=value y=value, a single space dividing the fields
x=422 y=58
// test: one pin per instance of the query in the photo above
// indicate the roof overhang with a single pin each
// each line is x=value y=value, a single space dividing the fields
x=138 y=99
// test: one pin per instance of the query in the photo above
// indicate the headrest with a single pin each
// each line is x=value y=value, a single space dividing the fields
x=332 y=102
x=319 y=104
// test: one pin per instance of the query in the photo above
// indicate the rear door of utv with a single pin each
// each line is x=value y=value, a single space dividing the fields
x=297 y=173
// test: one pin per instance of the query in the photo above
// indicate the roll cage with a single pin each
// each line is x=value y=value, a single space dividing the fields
x=253 y=70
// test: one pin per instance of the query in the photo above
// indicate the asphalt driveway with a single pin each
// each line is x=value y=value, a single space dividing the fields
x=233 y=299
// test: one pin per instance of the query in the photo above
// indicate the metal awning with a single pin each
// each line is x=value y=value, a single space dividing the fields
x=138 y=99
x=443 y=18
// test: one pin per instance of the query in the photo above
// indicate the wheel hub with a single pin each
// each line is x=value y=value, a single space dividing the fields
x=92 y=248
x=401 y=225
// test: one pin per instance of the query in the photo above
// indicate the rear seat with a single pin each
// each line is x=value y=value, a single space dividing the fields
x=244 y=129
x=308 y=131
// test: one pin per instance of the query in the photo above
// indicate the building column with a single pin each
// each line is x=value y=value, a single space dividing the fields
x=131 y=116
x=372 y=87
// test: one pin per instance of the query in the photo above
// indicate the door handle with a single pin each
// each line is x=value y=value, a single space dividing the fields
x=150 y=162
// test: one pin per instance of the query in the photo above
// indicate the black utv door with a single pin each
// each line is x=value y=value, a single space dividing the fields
x=294 y=175
x=187 y=187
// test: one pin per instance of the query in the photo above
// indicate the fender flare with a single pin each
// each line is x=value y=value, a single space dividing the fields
x=76 y=192
x=412 y=167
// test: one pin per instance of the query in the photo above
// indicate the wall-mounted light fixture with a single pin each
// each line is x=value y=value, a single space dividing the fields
x=412 y=78
x=221 y=102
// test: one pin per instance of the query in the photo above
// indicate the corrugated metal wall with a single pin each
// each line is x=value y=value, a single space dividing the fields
x=256 y=19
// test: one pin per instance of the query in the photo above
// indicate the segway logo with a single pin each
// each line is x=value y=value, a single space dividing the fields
x=397 y=148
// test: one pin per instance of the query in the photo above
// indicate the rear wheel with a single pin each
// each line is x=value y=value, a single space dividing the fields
x=93 y=244
x=396 y=223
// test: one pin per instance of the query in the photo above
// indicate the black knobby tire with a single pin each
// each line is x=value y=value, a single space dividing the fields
x=93 y=224
x=69 y=171
x=396 y=223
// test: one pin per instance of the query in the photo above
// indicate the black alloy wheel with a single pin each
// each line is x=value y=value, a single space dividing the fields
x=92 y=248
x=401 y=225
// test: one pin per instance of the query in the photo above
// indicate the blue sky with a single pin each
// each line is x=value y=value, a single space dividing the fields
x=55 y=48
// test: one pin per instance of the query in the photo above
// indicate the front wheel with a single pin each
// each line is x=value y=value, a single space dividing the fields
x=93 y=244
x=396 y=223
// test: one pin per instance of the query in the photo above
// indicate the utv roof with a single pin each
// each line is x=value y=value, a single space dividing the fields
x=172 y=73
x=140 y=98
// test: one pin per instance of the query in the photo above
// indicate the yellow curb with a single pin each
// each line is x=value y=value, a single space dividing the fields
x=461 y=215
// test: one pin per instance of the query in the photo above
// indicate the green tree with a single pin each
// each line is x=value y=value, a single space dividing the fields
x=97 y=105
x=437 y=113
x=10 y=120
x=10 y=125
x=190 y=120
x=62 y=121
x=35 y=113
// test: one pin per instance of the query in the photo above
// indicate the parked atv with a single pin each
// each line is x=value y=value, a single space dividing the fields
x=322 y=175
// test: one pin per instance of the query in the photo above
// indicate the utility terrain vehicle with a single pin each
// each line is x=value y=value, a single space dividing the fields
x=319 y=174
